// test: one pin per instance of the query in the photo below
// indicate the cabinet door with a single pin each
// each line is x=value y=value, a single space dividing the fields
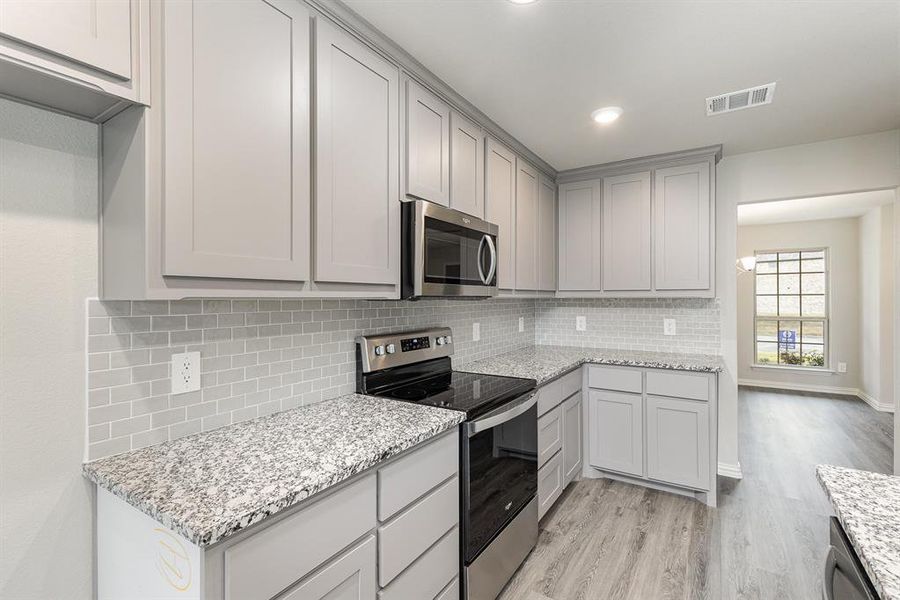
x=466 y=166
x=572 y=446
x=236 y=191
x=357 y=162
x=550 y=434
x=626 y=232
x=96 y=34
x=427 y=145
x=579 y=236
x=550 y=483
x=616 y=431
x=500 y=205
x=351 y=576
x=546 y=235
x=682 y=228
x=526 y=226
x=678 y=441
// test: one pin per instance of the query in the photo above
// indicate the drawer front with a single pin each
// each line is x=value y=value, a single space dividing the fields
x=616 y=379
x=351 y=576
x=270 y=561
x=553 y=393
x=678 y=385
x=451 y=592
x=412 y=532
x=428 y=576
x=550 y=483
x=549 y=434
x=411 y=477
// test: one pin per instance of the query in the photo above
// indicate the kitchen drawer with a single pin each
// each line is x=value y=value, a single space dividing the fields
x=405 y=480
x=616 y=379
x=553 y=393
x=412 y=532
x=549 y=434
x=678 y=385
x=265 y=564
x=451 y=592
x=550 y=483
x=428 y=576
x=350 y=576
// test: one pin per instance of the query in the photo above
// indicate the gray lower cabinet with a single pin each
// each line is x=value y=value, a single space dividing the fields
x=572 y=446
x=550 y=434
x=616 y=431
x=550 y=483
x=560 y=444
x=351 y=576
x=678 y=441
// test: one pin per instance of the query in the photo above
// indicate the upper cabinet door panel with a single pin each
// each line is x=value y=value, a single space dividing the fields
x=427 y=145
x=526 y=226
x=626 y=232
x=500 y=204
x=682 y=228
x=579 y=236
x=466 y=166
x=96 y=33
x=546 y=235
x=357 y=162
x=236 y=191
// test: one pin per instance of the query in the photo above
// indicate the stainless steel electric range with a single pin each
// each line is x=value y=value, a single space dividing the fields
x=498 y=446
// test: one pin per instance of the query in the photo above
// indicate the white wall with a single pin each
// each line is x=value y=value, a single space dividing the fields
x=886 y=310
x=866 y=162
x=870 y=269
x=841 y=238
x=48 y=266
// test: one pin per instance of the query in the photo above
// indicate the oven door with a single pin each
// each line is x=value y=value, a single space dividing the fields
x=499 y=465
x=448 y=253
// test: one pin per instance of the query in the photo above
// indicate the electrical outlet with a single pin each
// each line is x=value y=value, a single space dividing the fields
x=185 y=372
x=842 y=367
x=668 y=326
x=476 y=332
x=580 y=323
x=521 y=324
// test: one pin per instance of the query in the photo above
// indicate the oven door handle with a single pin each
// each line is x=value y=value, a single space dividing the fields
x=494 y=418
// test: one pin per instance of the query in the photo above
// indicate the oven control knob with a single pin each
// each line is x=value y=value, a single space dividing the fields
x=379 y=350
x=448 y=340
x=391 y=348
x=440 y=340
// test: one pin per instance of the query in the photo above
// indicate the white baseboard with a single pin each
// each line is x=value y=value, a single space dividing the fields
x=828 y=389
x=729 y=470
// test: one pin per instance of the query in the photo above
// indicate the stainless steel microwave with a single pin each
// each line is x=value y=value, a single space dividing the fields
x=446 y=252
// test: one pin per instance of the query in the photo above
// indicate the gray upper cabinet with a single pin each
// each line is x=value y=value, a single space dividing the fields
x=466 y=166
x=427 y=145
x=682 y=227
x=357 y=204
x=83 y=57
x=500 y=207
x=237 y=172
x=616 y=431
x=678 y=442
x=626 y=232
x=579 y=236
x=546 y=237
x=526 y=220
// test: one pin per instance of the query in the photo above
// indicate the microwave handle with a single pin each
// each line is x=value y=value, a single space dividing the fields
x=481 y=275
x=490 y=275
x=493 y=419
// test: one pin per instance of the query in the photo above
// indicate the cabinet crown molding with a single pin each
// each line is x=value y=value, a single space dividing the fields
x=712 y=153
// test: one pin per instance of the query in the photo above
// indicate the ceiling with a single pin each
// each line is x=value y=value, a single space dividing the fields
x=839 y=206
x=538 y=70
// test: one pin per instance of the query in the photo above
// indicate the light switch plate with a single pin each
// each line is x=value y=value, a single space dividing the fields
x=668 y=326
x=842 y=367
x=185 y=372
x=521 y=324
x=476 y=332
x=580 y=323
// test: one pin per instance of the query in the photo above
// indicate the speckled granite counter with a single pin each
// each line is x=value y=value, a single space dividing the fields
x=868 y=507
x=545 y=363
x=211 y=485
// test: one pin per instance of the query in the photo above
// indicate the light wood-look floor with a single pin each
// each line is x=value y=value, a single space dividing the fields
x=606 y=540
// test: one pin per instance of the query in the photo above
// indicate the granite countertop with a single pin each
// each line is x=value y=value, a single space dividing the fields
x=211 y=485
x=868 y=507
x=545 y=363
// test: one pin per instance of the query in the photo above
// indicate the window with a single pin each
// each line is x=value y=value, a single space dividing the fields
x=791 y=308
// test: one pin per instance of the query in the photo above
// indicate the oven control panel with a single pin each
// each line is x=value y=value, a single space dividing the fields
x=383 y=351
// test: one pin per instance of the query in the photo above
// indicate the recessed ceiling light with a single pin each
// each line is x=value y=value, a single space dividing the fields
x=607 y=114
x=523 y=1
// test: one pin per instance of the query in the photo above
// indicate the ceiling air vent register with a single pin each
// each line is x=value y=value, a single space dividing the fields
x=732 y=101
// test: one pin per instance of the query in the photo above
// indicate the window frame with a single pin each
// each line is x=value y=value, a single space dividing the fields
x=825 y=319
